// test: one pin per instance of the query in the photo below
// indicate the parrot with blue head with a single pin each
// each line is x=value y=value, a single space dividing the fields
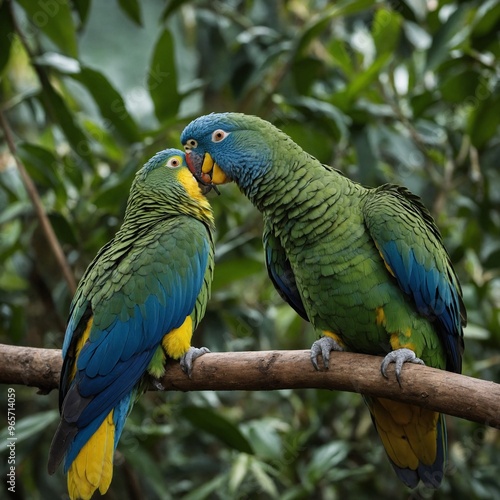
x=138 y=303
x=366 y=266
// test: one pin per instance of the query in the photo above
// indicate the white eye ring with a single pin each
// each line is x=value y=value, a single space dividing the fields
x=174 y=162
x=191 y=143
x=219 y=135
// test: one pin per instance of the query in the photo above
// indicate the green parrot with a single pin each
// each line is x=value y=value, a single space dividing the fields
x=366 y=266
x=138 y=302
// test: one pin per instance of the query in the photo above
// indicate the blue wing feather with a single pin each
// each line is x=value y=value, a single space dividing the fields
x=121 y=344
x=281 y=273
x=428 y=277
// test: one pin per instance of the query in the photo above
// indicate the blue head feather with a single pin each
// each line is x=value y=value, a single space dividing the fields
x=244 y=154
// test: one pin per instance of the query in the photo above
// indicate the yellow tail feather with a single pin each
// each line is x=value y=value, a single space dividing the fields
x=93 y=467
x=408 y=433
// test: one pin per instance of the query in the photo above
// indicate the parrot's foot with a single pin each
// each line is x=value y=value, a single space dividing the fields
x=323 y=346
x=399 y=356
x=188 y=359
x=157 y=383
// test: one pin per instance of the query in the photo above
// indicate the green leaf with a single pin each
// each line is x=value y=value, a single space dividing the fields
x=108 y=143
x=162 y=78
x=341 y=57
x=172 y=6
x=229 y=271
x=364 y=79
x=6 y=34
x=110 y=103
x=484 y=123
x=315 y=140
x=112 y=195
x=263 y=479
x=218 y=426
x=59 y=113
x=334 y=115
x=132 y=9
x=63 y=229
x=487 y=17
x=203 y=492
x=54 y=19
x=460 y=86
x=326 y=458
x=265 y=439
x=320 y=21
x=62 y=64
x=444 y=40
x=40 y=163
x=82 y=7
x=29 y=426
x=386 y=31
x=492 y=260
x=143 y=463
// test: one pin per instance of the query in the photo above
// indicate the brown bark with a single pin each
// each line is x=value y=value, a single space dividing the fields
x=458 y=395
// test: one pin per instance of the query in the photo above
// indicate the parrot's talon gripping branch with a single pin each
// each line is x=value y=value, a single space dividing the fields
x=188 y=359
x=157 y=384
x=323 y=346
x=399 y=356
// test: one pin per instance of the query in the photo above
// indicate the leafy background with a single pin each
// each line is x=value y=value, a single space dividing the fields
x=400 y=91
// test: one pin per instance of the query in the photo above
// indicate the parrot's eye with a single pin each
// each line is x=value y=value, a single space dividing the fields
x=174 y=162
x=191 y=143
x=219 y=135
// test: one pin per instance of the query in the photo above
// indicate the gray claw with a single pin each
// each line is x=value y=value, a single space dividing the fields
x=323 y=346
x=399 y=356
x=188 y=359
x=158 y=385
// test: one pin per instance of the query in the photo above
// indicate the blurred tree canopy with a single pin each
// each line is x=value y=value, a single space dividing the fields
x=388 y=91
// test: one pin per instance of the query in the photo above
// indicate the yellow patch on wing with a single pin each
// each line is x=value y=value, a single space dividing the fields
x=335 y=337
x=79 y=345
x=399 y=340
x=408 y=432
x=92 y=469
x=380 y=318
x=178 y=341
x=387 y=266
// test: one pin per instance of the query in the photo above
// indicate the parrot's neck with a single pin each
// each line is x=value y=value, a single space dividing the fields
x=144 y=212
x=292 y=187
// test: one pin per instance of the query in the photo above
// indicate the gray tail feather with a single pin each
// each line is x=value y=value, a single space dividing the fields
x=63 y=437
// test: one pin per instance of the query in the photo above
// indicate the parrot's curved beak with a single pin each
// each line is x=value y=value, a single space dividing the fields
x=205 y=170
x=210 y=169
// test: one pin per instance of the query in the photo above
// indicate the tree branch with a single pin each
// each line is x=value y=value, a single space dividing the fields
x=446 y=392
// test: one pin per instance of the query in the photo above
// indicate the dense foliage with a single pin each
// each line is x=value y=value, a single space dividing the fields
x=388 y=91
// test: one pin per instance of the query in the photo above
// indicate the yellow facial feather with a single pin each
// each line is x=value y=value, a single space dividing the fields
x=189 y=183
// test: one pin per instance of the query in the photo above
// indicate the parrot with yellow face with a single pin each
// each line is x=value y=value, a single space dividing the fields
x=138 y=303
